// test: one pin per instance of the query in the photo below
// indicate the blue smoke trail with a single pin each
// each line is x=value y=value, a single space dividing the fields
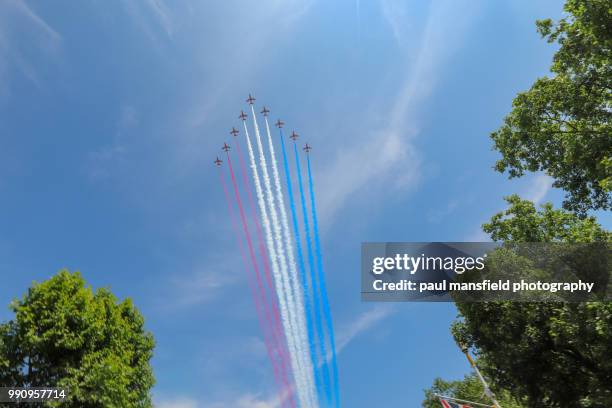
x=313 y=279
x=321 y=276
x=302 y=267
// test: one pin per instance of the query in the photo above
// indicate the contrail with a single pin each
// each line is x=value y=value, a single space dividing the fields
x=281 y=256
x=281 y=345
x=302 y=390
x=321 y=276
x=294 y=279
x=302 y=267
x=280 y=377
x=313 y=279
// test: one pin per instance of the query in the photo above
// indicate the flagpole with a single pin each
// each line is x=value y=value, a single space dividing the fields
x=487 y=390
x=463 y=401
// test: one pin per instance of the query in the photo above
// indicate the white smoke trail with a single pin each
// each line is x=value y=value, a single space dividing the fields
x=280 y=253
x=294 y=279
x=302 y=392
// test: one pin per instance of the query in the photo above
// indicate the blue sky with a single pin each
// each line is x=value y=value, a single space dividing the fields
x=110 y=116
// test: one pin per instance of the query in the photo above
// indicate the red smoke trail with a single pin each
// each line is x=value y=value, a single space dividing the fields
x=280 y=336
x=269 y=330
x=246 y=262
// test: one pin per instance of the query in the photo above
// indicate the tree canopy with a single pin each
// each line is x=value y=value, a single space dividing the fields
x=546 y=354
x=522 y=222
x=537 y=354
x=469 y=389
x=553 y=354
x=66 y=335
x=562 y=125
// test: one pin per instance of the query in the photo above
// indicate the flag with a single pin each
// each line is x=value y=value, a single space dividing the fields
x=449 y=404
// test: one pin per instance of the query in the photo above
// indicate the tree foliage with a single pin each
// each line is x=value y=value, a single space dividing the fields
x=547 y=354
x=562 y=125
x=522 y=222
x=66 y=335
x=469 y=389
x=555 y=354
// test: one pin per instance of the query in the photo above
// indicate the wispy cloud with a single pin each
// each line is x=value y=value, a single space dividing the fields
x=396 y=14
x=20 y=25
x=443 y=35
x=435 y=216
x=107 y=158
x=536 y=191
x=477 y=235
x=248 y=400
x=345 y=335
x=21 y=9
x=162 y=14
x=362 y=324
x=245 y=401
x=180 y=402
x=153 y=18
x=538 y=188
x=203 y=284
x=389 y=153
x=343 y=178
x=200 y=287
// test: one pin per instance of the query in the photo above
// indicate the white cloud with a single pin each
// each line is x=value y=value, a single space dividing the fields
x=162 y=14
x=149 y=16
x=358 y=166
x=362 y=324
x=19 y=22
x=388 y=153
x=22 y=9
x=181 y=402
x=538 y=188
x=396 y=14
x=437 y=215
x=345 y=335
x=242 y=401
x=245 y=401
x=203 y=284
x=443 y=35
x=104 y=160
x=477 y=235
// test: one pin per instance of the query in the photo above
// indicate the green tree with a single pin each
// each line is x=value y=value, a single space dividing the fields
x=522 y=222
x=547 y=354
x=66 y=335
x=562 y=125
x=555 y=354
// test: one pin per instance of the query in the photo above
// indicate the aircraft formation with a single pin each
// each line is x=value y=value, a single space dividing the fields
x=243 y=116
x=283 y=259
